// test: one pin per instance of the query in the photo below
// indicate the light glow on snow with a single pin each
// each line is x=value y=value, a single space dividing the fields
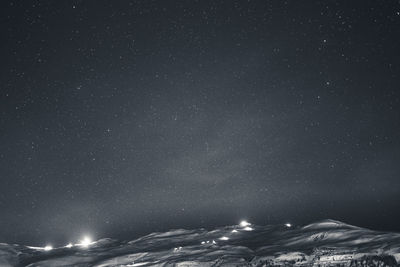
x=224 y=238
x=138 y=264
x=234 y=231
x=34 y=247
x=288 y=225
x=247 y=228
x=69 y=245
x=85 y=242
x=47 y=248
x=244 y=224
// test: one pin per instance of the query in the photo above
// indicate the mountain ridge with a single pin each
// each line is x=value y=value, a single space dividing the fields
x=324 y=243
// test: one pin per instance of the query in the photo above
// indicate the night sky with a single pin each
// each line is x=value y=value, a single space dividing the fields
x=121 y=118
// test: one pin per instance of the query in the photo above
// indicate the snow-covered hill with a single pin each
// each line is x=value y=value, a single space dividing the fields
x=325 y=243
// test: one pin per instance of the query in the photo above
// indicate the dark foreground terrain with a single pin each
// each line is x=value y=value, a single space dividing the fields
x=325 y=243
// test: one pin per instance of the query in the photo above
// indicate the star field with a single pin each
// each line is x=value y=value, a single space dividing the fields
x=120 y=118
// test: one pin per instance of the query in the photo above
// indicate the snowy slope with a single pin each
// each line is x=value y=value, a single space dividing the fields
x=325 y=243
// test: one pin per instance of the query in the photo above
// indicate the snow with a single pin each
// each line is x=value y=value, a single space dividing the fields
x=320 y=243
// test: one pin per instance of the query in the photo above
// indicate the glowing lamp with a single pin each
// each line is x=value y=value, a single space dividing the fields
x=48 y=248
x=86 y=241
x=244 y=224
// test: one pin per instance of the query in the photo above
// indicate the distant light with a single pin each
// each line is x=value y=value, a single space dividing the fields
x=69 y=245
x=224 y=238
x=48 y=248
x=203 y=242
x=85 y=242
x=234 y=231
x=248 y=228
x=214 y=242
x=288 y=225
x=244 y=224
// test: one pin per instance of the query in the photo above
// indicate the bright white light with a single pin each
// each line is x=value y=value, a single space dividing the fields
x=244 y=224
x=37 y=248
x=248 y=228
x=69 y=245
x=203 y=242
x=288 y=225
x=234 y=231
x=224 y=238
x=214 y=242
x=85 y=242
x=48 y=248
